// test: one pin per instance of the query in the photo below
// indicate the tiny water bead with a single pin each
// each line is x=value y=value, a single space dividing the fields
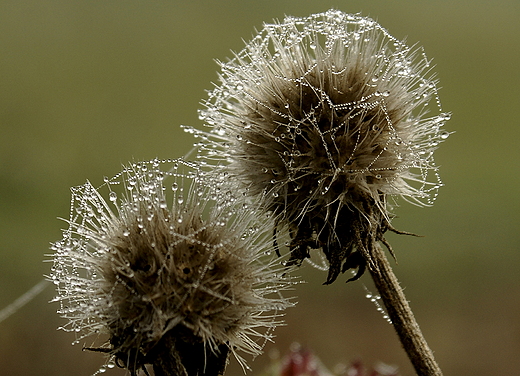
x=113 y=196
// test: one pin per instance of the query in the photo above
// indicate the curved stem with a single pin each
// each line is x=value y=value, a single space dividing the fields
x=401 y=314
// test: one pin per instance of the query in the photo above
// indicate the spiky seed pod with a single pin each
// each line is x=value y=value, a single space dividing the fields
x=329 y=115
x=176 y=279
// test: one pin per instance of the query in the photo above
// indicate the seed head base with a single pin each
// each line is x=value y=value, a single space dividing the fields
x=345 y=240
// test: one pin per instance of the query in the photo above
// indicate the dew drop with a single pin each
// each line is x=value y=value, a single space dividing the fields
x=444 y=135
x=112 y=196
x=445 y=116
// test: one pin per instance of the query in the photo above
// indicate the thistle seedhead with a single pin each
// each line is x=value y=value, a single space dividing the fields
x=170 y=267
x=328 y=116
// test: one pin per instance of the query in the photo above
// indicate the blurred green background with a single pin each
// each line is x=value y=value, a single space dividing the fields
x=88 y=85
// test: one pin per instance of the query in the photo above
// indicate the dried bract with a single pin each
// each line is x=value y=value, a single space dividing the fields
x=170 y=268
x=327 y=115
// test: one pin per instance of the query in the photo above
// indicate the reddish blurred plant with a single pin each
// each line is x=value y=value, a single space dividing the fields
x=301 y=361
x=380 y=369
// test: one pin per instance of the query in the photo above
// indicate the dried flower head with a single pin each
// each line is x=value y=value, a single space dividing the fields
x=329 y=115
x=177 y=282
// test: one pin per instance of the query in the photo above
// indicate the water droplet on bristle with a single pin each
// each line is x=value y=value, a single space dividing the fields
x=444 y=135
x=112 y=196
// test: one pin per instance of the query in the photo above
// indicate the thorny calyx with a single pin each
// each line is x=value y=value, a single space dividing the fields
x=346 y=239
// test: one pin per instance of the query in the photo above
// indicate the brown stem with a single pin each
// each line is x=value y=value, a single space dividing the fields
x=401 y=314
x=179 y=353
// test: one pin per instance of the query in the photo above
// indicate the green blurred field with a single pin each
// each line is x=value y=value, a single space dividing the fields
x=88 y=85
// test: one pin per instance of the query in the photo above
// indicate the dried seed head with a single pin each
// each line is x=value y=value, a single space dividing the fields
x=179 y=281
x=328 y=115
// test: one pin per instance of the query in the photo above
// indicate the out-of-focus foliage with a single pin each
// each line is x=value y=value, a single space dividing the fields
x=300 y=361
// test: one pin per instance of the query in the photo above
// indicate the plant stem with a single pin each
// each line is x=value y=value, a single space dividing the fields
x=179 y=353
x=401 y=314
